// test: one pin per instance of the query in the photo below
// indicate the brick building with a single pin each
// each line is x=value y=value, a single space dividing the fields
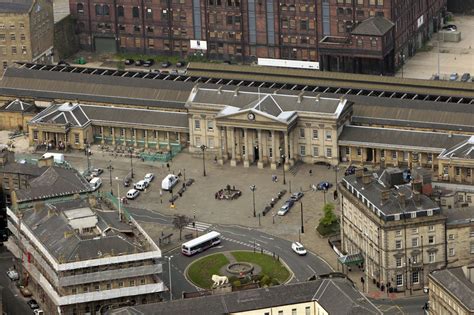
x=361 y=36
x=26 y=31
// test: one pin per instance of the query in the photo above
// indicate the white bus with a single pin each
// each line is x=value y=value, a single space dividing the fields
x=201 y=243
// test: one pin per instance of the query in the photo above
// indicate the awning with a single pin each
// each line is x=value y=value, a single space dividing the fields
x=354 y=259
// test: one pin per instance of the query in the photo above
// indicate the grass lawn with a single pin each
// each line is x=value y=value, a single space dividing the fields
x=270 y=267
x=201 y=271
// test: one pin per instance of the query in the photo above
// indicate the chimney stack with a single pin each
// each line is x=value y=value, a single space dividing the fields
x=385 y=195
x=416 y=198
x=359 y=172
x=366 y=178
x=401 y=199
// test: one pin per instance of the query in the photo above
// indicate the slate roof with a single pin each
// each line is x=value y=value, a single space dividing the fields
x=94 y=88
x=463 y=215
x=335 y=295
x=463 y=150
x=375 y=26
x=65 y=114
x=51 y=228
x=18 y=106
x=55 y=181
x=457 y=284
x=15 y=6
x=400 y=139
x=26 y=169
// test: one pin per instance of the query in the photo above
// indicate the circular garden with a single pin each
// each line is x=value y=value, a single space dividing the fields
x=241 y=268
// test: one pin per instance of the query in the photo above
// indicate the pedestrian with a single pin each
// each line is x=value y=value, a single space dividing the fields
x=362 y=280
x=310 y=172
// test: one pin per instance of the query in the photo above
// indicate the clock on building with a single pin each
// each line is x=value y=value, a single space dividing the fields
x=251 y=116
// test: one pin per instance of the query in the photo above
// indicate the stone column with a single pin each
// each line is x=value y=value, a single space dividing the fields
x=146 y=139
x=233 y=162
x=168 y=146
x=134 y=130
x=102 y=140
x=275 y=154
x=246 y=142
x=113 y=135
x=292 y=149
x=124 y=136
x=260 y=163
x=287 y=160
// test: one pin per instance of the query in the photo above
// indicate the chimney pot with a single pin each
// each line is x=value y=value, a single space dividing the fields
x=366 y=178
x=359 y=172
x=401 y=199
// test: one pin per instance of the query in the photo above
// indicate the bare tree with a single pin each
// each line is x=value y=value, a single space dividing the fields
x=180 y=221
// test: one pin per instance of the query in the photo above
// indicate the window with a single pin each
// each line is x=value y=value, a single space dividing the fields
x=198 y=141
x=197 y=124
x=149 y=13
x=431 y=228
x=458 y=171
x=315 y=133
x=414 y=242
x=348 y=150
x=328 y=134
x=414 y=231
x=472 y=232
x=122 y=132
x=413 y=214
x=359 y=151
x=431 y=257
x=280 y=312
x=329 y=152
x=135 y=12
x=430 y=157
x=97 y=288
x=120 y=284
x=5 y=65
x=73 y=291
x=315 y=151
x=359 y=42
x=398 y=244
x=394 y=154
x=2 y=37
x=210 y=143
x=85 y=289
x=399 y=280
x=80 y=8
x=415 y=277
x=472 y=247
x=415 y=258
x=301 y=132
x=132 y=283
x=210 y=125
x=22 y=37
x=307 y=310
x=302 y=150
x=120 y=11
x=14 y=50
x=451 y=237
x=106 y=10
x=76 y=138
x=451 y=252
x=373 y=43
x=293 y=311
x=380 y=2
x=12 y=37
x=35 y=134
x=382 y=153
x=398 y=233
x=109 y=286
x=98 y=9
x=398 y=262
x=431 y=239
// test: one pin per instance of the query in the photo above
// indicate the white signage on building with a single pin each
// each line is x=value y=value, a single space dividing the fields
x=198 y=44
x=288 y=63
x=420 y=21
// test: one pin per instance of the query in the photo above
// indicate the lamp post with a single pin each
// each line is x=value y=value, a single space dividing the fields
x=366 y=262
x=336 y=169
x=130 y=150
x=110 y=168
x=402 y=58
x=253 y=188
x=302 y=224
x=88 y=154
x=203 y=148
x=283 y=157
x=169 y=275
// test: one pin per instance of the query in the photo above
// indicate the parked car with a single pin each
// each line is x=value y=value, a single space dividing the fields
x=33 y=304
x=286 y=207
x=180 y=64
x=454 y=76
x=132 y=194
x=450 y=28
x=435 y=77
x=25 y=292
x=126 y=181
x=297 y=196
x=141 y=185
x=63 y=63
x=351 y=170
x=96 y=172
x=298 y=248
x=149 y=177
x=38 y=311
x=149 y=63
x=324 y=186
x=165 y=64
x=129 y=62
x=465 y=77
x=13 y=275
x=139 y=62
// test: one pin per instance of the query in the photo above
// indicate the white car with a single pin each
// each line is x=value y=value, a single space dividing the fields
x=132 y=194
x=141 y=185
x=298 y=248
x=149 y=177
x=13 y=275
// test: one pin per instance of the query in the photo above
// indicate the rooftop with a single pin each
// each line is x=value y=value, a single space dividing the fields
x=375 y=26
x=335 y=295
x=15 y=6
x=19 y=106
x=463 y=150
x=456 y=281
x=459 y=215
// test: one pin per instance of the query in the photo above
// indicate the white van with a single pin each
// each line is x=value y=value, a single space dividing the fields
x=132 y=194
x=95 y=183
x=141 y=185
x=169 y=181
x=58 y=158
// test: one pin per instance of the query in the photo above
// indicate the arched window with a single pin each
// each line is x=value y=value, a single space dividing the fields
x=120 y=10
x=98 y=9
x=105 y=10
x=80 y=8
x=135 y=12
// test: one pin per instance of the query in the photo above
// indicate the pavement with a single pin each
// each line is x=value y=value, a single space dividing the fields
x=453 y=57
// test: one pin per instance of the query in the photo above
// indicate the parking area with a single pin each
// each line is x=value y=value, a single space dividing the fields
x=452 y=57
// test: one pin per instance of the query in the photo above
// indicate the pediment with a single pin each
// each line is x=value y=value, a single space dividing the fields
x=251 y=116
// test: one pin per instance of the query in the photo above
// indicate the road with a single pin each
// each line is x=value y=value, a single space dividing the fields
x=13 y=302
x=409 y=305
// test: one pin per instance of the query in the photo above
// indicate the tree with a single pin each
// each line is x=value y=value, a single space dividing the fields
x=329 y=216
x=180 y=221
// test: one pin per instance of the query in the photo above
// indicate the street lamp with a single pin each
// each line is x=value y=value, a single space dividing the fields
x=110 y=168
x=130 y=150
x=336 y=169
x=253 y=188
x=169 y=275
x=88 y=154
x=402 y=58
x=203 y=148
x=302 y=224
x=283 y=157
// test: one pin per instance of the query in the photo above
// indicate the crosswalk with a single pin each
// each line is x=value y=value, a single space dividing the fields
x=256 y=246
x=199 y=226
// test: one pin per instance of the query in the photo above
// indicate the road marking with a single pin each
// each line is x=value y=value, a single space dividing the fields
x=261 y=241
x=268 y=238
x=199 y=226
x=311 y=269
x=225 y=231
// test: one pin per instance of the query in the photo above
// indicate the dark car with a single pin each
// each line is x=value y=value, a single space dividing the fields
x=149 y=63
x=129 y=62
x=139 y=62
x=165 y=64
x=297 y=196
x=32 y=304
x=127 y=181
x=350 y=170
x=465 y=77
x=180 y=64
x=324 y=186
x=96 y=172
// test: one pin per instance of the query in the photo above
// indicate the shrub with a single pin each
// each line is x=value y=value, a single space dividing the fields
x=265 y=280
x=236 y=283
